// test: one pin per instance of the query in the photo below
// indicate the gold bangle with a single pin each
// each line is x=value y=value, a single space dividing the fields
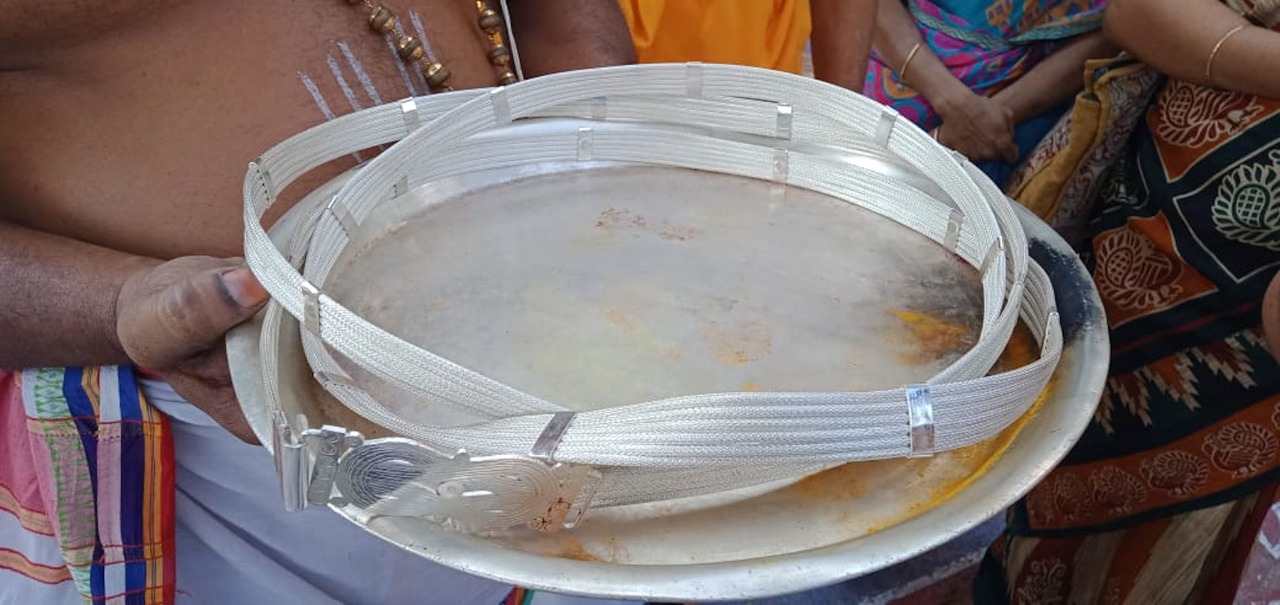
x=1213 y=54
x=902 y=73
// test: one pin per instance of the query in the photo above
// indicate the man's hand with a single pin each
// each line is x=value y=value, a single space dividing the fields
x=979 y=127
x=172 y=318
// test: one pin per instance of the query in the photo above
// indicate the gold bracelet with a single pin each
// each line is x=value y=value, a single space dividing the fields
x=902 y=73
x=1213 y=54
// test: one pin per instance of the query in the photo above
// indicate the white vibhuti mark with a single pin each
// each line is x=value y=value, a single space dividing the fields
x=316 y=96
x=361 y=75
x=338 y=76
x=322 y=104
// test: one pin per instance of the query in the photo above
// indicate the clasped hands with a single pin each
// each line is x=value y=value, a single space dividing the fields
x=981 y=128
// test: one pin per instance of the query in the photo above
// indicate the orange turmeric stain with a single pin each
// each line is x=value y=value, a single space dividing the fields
x=740 y=344
x=573 y=549
x=930 y=338
x=1021 y=350
x=845 y=481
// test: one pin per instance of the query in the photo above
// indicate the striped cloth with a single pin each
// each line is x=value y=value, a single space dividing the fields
x=92 y=468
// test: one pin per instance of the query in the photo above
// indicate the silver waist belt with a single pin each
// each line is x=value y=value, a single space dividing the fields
x=533 y=462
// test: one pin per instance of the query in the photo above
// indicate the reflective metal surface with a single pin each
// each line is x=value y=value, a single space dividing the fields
x=597 y=285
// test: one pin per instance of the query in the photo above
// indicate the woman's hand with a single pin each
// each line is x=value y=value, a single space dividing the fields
x=979 y=127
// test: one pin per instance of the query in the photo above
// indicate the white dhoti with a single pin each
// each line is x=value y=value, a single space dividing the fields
x=237 y=544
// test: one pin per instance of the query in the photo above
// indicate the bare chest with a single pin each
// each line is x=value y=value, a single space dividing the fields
x=138 y=138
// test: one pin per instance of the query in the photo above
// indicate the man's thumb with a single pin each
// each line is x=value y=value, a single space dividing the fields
x=243 y=288
x=199 y=309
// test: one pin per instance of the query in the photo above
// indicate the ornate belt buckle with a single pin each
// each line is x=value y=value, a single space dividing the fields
x=404 y=478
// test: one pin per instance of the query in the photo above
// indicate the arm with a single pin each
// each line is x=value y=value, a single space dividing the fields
x=1055 y=79
x=976 y=126
x=842 y=40
x=895 y=35
x=60 y=299
x=1178 y=37
x=562 y=35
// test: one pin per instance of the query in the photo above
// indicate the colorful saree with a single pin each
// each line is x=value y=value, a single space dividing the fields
x=987 y=45
x=86 y=489
x=1176 y=475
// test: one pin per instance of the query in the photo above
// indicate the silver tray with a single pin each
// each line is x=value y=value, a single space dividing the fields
x=600 y=284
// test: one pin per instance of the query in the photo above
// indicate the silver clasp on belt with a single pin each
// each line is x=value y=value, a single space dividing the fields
x=404 y=478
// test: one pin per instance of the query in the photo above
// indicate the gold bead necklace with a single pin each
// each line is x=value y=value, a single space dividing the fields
x=413 y=52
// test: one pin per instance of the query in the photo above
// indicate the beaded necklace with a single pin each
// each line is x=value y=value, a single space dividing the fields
x=415 y=53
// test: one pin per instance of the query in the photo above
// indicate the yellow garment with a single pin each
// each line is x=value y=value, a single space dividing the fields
x=759 y=33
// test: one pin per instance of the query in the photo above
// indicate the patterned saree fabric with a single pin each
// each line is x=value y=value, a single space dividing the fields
x=1059 y=180
x=987 y=45
x=1185 y=241
x=1178 y=469
x=88 y=476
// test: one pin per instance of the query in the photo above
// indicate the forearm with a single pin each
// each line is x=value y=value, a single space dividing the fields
x=59 y=303
x=1177 y=39
x=1055 y=79
x=842 y=40
x=895 y=37
x=563 y=35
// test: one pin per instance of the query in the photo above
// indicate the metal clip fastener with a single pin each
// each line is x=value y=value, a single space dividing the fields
x=1052 y=322
x=586 y=144
x=339 y=212
x=327 y=445
x=693 y=80
x=409 y=111
x=544 y=448
x=920 y=415
x=781 y=170
x=310 y=308
x=783 y=124
x=781 y=166
x=884 y=127
x=997 y=248
x=586 y=492
x=328 y=380
x=501 y=108
x=291 y=464
x=264 y=177
x=954 y=223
